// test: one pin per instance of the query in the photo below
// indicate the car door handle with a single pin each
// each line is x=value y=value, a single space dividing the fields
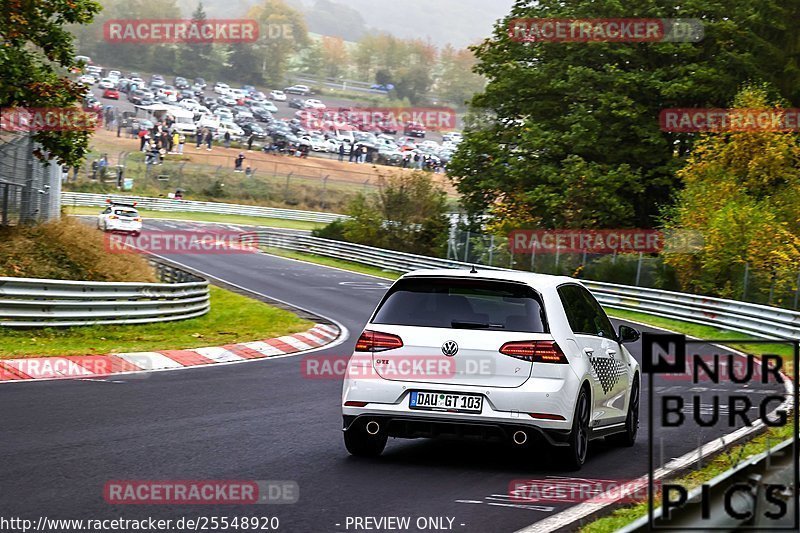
x=589 y=351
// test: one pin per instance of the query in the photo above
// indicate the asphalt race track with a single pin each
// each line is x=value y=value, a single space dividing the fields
x=62 y=441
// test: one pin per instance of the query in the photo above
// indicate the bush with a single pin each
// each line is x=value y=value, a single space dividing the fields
x=69 y=250
x=408 y=214
x=335 y=231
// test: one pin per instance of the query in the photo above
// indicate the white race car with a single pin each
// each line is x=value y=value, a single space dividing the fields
x=502 y=356
x=120 y=217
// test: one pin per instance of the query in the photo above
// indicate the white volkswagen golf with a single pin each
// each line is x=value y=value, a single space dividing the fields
x=491 y=355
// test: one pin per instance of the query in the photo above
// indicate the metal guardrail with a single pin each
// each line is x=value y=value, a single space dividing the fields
x=756 y=320
x=188 y=206
x=27 y=302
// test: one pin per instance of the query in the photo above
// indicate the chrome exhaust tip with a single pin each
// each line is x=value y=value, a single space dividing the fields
x=520 y=437
x=373 y=427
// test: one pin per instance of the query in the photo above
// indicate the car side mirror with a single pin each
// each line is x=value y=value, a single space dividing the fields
x=627 y=334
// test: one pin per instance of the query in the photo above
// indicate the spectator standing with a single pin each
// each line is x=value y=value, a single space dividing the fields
x=353 y=154
x=341 y=152
x=238 y=163
x=176 y=139
x=209 y=138
x=227 y=139
x=143 y=138
x=250 y=140
x=199 y=136
x=181 y=142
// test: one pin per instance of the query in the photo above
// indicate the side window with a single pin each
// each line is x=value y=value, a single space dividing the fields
x=579 y=314
x=601 y=324
x=107 y=211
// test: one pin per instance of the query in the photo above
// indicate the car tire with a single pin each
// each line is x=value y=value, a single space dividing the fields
x=574 y=454
x=361 y=444
x=628 y=437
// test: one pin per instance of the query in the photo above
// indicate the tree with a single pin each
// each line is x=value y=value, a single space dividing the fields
x=741 y=195
x=409 y=214
x=36 y=46
x=201 y=59
x=555 y=111
x=457 y=81
x=245 y=64
x=334 y=56
x=283 y=33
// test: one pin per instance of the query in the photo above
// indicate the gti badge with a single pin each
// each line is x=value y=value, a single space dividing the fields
x=450 y=348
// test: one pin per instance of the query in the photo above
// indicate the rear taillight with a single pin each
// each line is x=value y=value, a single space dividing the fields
x=373 y=341
x=535 y=352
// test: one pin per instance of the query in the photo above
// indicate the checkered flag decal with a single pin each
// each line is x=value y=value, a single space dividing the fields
x=607 y=371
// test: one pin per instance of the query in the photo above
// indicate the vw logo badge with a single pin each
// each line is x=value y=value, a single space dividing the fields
x=450 y=348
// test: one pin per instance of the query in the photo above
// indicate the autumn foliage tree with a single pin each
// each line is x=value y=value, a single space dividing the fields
x=36 y=55
x=741 y=194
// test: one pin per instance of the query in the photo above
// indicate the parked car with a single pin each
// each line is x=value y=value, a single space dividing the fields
x=112 y=94
x=278 y=96
x=312 y=103
x=414 y=129
x=200 y=82
x=269 y=106
x=106 y=83
x=302 y=90
x=221 y=88
x=252 y=128
x=181 y=83
x=296 y=103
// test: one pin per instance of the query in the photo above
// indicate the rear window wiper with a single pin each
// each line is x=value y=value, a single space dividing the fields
x=458 y=324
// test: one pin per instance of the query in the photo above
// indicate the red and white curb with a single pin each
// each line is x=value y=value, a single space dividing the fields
x=95 y=366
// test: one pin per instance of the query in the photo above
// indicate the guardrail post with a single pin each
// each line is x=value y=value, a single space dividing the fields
x=639 y=269
x=491 y=250
x=746 y=279
x=797 y=291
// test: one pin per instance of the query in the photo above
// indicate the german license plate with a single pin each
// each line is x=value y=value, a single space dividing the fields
x=441 y=401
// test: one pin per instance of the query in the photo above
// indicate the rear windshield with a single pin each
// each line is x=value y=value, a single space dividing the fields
x=126 y=213
x=463 y=304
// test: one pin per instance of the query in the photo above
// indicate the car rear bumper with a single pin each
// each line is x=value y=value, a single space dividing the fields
x=413 y=427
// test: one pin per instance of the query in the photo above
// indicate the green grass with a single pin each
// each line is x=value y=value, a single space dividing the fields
x=233 y=318
x=337 y=263
x=207 y=217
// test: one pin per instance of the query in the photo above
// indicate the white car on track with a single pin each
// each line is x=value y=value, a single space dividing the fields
x=120 y=217
x=491 y=355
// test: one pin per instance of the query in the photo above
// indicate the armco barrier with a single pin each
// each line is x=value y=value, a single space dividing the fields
x=187 y=206
x=757 y=320
x=26 y=302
